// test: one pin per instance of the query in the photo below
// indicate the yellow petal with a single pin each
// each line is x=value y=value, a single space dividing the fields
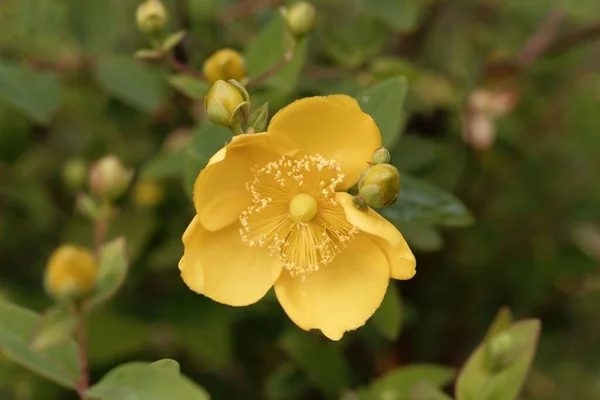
x=220 y=193
x=369 y=221
x=402 y=261
x=333 y=126
x=221 y=267
x=340 y=296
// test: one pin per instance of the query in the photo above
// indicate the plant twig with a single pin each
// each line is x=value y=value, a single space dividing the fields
x=246 y=7
x=541 y=39
x=100 y=230
x=575 y=38
x=183 y=68
x=257 y=80
x=81 y=339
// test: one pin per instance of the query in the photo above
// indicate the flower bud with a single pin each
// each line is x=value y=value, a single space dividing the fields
x=381 y=156
x=226 y=104
x=147 y=193
x=380 y=185
x=108 y=178
x=70 y=273
x=151 y=17
x=500 y=351
x=225 y=64
x=74 y=173
x=300 y=18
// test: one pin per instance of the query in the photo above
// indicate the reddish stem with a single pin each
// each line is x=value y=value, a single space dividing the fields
x=80 y=333
x=257 y=80
x=181 y=67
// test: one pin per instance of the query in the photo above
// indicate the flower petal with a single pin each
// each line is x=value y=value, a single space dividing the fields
x=402 y=261
x=341 y=296
x=333 y=126
x=370 y=221
x=221 y=267
x=220 y=194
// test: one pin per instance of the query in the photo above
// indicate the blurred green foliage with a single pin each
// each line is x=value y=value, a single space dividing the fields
x=529 y=239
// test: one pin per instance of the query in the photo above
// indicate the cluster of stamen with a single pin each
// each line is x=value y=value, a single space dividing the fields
x=302 y=245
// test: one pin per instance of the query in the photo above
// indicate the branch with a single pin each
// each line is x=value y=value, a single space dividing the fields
x=83 y=383
x=257 y=80
x=243 y=8
x=541 y=40
x=181 y=67
x=575 y=38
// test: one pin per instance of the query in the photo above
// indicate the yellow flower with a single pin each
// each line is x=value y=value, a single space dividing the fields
x=271 y=210
x=225 y=64
x=71 y=272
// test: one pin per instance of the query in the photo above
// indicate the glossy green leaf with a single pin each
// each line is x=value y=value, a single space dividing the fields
x=59 y=363
x=423 y=202
x=384 y=101
x=401 y=15
x=258 y=119
x=56 y=326
x=267 y=49
x=388 y=317
x=137 y=380
x=37 y=94
x=477 y=381
x=414 y=152
x=167 y=365
x=420 y=236
x=112 y=272
x=426 y=391
x=131 y=81
x=501 y=322
x=399 y=383
x=191 y=87
x=173 y=40
x=322 y=362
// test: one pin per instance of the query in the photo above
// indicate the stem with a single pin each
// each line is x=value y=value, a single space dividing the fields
x=181 y=67
x=100 y=230
x=257 y=80
x=542 y=39
x=247 y=7
x=83 y=383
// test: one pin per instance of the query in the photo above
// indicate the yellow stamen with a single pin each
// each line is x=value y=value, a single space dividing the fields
x=294 y=213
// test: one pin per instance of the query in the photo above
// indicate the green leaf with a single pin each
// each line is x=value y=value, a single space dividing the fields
x=191 y=87
x=167 y=365
x=163 y=166
x=388 y=318
x=413 y=153
x=137 y=380
x=420 y=201
x=56 y=326
x=258 y=119
x=267 y=49
x=384 y=101
x=112 y=272
x=399 y=383
x=147 y=54
x=477 y=381
x=131 y=81
x=173 y=40
x=323 y=363
x=286 y=383
x=401 y=15
x=426 y=391
x=36 y=94
x=420 y=236
x=59 y=363
x=501 y=322
x=93 y=23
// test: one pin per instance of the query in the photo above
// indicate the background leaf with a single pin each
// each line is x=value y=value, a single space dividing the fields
x=56 y=326
x=112 y=271
x=388 y=317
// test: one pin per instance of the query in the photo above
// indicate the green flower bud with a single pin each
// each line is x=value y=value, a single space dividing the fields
x=500 y=351
x=300 y=18
x=380 y=185
x=227 y=103
x=74 y=173
x=381 y=156
x=109 y=179
x=151 y=17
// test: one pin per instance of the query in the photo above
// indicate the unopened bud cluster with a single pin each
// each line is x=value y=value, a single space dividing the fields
x=225 y=64
x=379 y=185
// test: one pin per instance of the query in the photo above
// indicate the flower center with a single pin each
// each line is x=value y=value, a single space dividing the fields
x=294 y=213
x=303 y=207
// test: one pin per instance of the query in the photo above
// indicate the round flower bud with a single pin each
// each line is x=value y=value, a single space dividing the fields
x=300 y=18
x=381 y=156
x=500 y=351
x=70 y=273
x=74 y=173
x=225 y=104
x=108 y=178
x=147 y=193
x=225 y=64
x=151 y=17
x=380 y=185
